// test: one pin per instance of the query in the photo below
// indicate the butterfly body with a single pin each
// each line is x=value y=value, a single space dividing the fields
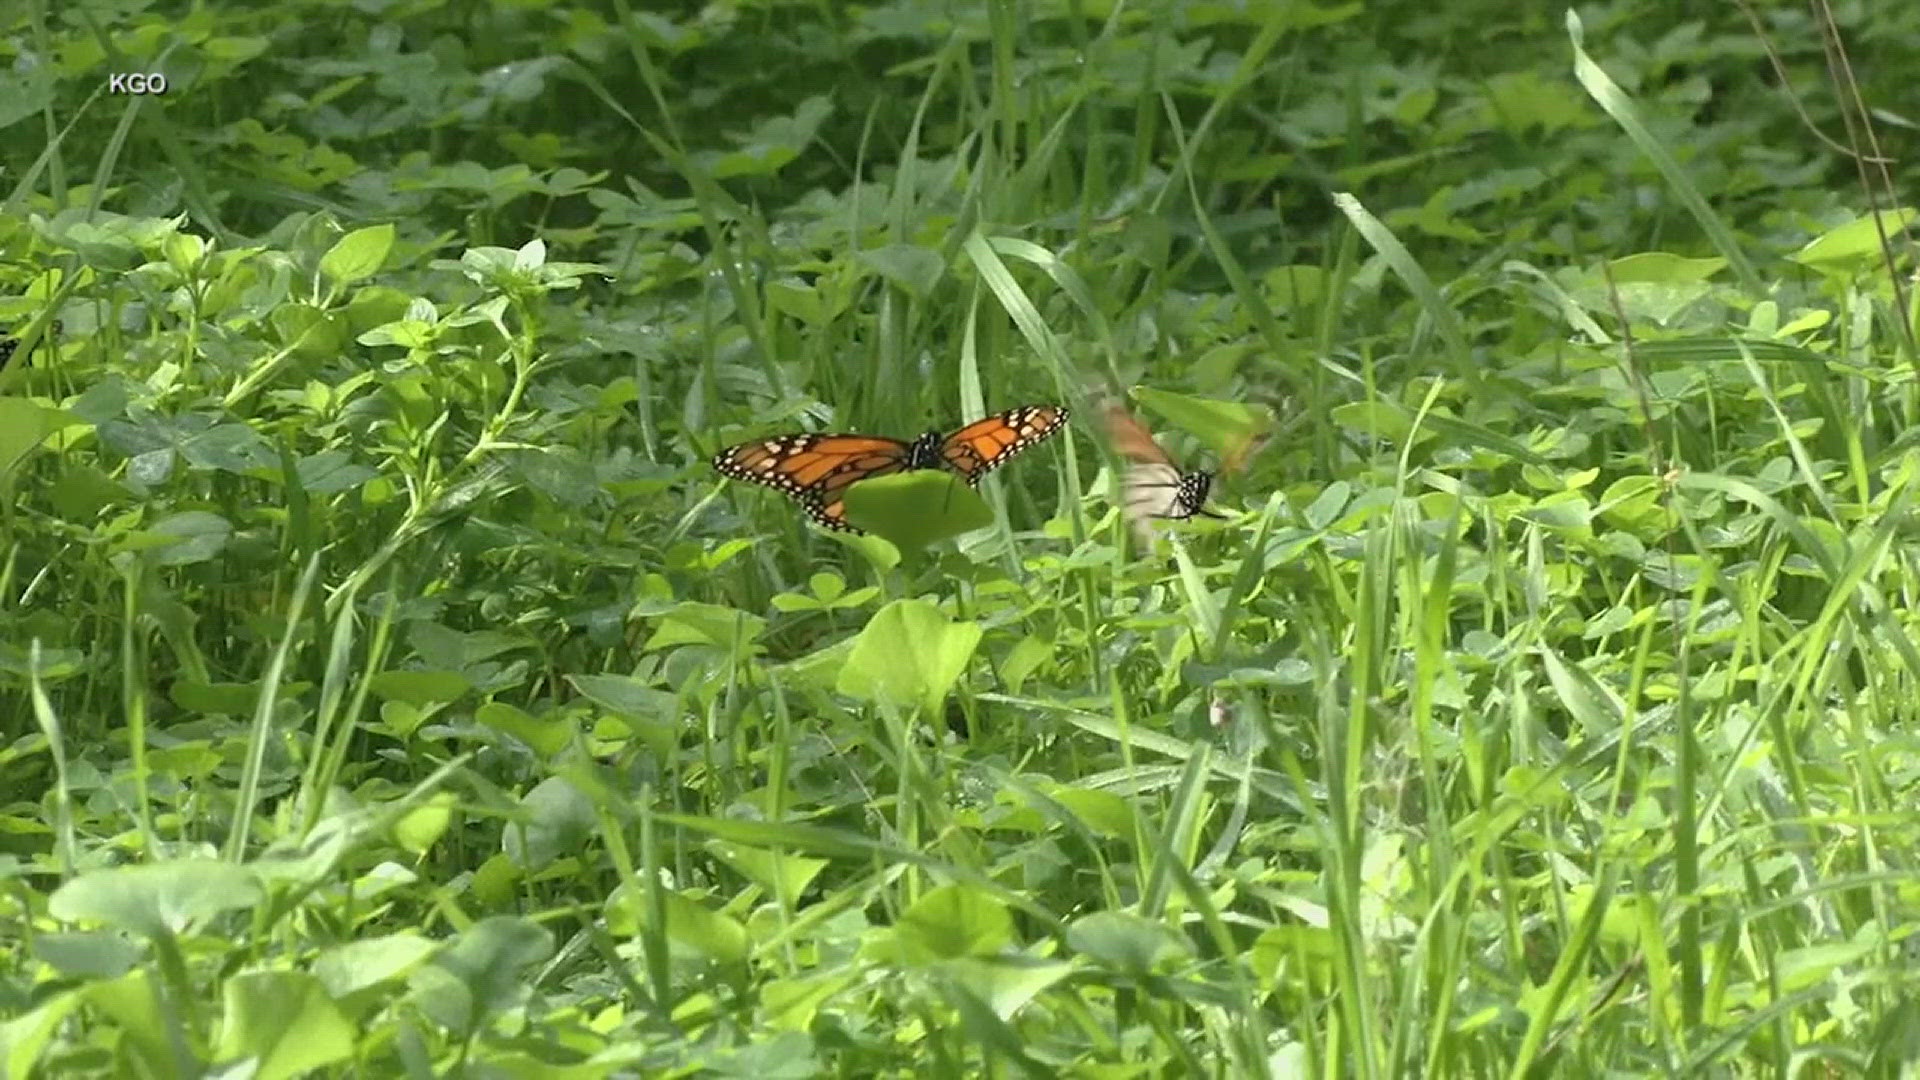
x=815 y=470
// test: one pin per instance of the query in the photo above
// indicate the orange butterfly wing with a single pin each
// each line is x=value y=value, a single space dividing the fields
x=989 y=443
x=814 y=470
x=1131 y=439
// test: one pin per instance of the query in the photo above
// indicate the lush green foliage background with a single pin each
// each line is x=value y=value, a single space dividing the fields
x=388 y=686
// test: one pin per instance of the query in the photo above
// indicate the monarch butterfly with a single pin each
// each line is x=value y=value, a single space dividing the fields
x=1153 y=486
x=816 y=470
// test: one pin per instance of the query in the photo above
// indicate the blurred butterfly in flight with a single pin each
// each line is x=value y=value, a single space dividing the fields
x=815 y=470
x=1153 y=487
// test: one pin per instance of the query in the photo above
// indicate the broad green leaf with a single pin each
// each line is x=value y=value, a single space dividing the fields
x=331 y=471
x=483 y=973
x=782 y=873
x=93 y=954
x=791 y=1004
x=714 y=934
x=156 y=899
x=625 y=695
x=797 y=299
x=421 y=688
x=224 y=698
x=789 y=1055
x=1375 y=418
x=690 y=924
x=1664 y=268
x=914 y=509
x=1228 y=428
x=1006 y=983
x=1124 y=941
x=131 y=1005
x=693 y=623
x=1102 y=812
x=1856 y=241
x=284 y=1021
x=953 y=921
x=909 y=653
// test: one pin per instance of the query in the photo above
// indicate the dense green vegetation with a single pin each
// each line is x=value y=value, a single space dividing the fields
x=390 y=686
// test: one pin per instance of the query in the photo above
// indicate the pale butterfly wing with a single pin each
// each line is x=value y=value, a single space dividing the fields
x=1151 y=491
x=1161 y=491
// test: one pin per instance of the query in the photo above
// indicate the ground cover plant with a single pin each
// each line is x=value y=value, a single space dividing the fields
x=391 y=684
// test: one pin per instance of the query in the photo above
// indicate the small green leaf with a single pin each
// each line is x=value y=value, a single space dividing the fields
x=791 y=1004
x=827 y=586
x=625 y=695
x=331 y=471
x=420 y=828
x=183 y=252
x=1376 y=419
x=787 y=603
x=402 y=719
x=1025 y=658
x=193 y=537
x=358 y=255
x=915 y=270
x=1296 y=288
x=798 y=299
x=558 y=819
x=546 y=737
x=421 y=688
